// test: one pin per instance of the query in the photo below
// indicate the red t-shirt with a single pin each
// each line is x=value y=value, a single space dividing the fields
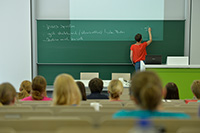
x=139 y=52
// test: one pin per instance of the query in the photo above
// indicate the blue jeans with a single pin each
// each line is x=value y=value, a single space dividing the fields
x=137 y=66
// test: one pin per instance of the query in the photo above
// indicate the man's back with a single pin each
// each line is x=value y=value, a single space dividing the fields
x=97 y=96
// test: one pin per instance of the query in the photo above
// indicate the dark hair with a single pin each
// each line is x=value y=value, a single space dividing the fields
x=38 y=87
x=138 y=37
x=172 y=91
x=81 y=87
x=7 y=93
x=96 y=85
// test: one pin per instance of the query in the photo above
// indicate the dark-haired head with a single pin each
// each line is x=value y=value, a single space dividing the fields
x=96 y=85
x=39 y=88
x=81 y=87
x=172 y=91
x=138 y=37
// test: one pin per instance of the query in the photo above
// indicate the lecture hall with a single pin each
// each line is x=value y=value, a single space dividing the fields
x=99 y=66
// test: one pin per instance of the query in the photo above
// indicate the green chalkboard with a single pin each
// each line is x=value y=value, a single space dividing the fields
x=58 y=41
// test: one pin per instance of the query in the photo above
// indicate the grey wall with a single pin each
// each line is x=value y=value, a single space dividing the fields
x=174 y=9
x=195 y=33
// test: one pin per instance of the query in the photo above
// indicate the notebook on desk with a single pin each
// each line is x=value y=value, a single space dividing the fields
x=153 y=59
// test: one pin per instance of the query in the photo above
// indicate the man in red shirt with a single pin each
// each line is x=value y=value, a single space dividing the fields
x=138 y=50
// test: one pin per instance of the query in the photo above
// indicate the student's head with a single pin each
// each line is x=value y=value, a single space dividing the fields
x=138 y=37
x=7 y=94
x=25 y=89
x=196 y=88
x=115 y=89
x=146 y=90
x=66 y=91
x=96 y=85
x=82 y=89
x=39 y=88
x=26 y=85
x=172 y=91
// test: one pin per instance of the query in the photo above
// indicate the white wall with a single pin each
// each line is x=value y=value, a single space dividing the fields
x=195 y=29
x=15 y=41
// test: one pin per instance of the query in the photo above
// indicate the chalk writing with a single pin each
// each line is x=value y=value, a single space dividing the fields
x=48 y=26
x=55 y=33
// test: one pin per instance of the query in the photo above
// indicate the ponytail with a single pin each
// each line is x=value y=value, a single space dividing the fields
x=36 y=95
x=39 y=88
x=114 y=95
x=146 y=88
x=22 y=94
x=115 y=89
x=150 y=97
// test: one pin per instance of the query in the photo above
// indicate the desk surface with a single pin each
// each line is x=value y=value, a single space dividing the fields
x=86 y=82
x=172 y=66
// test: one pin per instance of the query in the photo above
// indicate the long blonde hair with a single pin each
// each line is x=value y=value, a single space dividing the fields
x=7 y=94
x=25 y=89
x=115 y=88
x=146 y=88
x=66 y=91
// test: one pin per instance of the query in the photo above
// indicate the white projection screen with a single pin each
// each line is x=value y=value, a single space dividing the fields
x=117 y=9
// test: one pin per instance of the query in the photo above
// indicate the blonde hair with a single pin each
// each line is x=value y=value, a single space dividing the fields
x=22 y=94
x=26 y=85
x=66 y=91
x=39 y=88
x=195 y=87
x=115 y=88
x=25 y=89
x=146 y=88
x=7 y=94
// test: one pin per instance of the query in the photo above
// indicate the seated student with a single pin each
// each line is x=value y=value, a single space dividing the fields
x=7 y=94
x=115 y=89
x=25 y=89
x=172 y=91
x=38 y=90
x=81 y=87
x=66 y=91
x=146 y=91
x=195 y=87
x=96 y=87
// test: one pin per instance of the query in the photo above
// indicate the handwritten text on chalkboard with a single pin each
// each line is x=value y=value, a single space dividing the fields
x=55 y=33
